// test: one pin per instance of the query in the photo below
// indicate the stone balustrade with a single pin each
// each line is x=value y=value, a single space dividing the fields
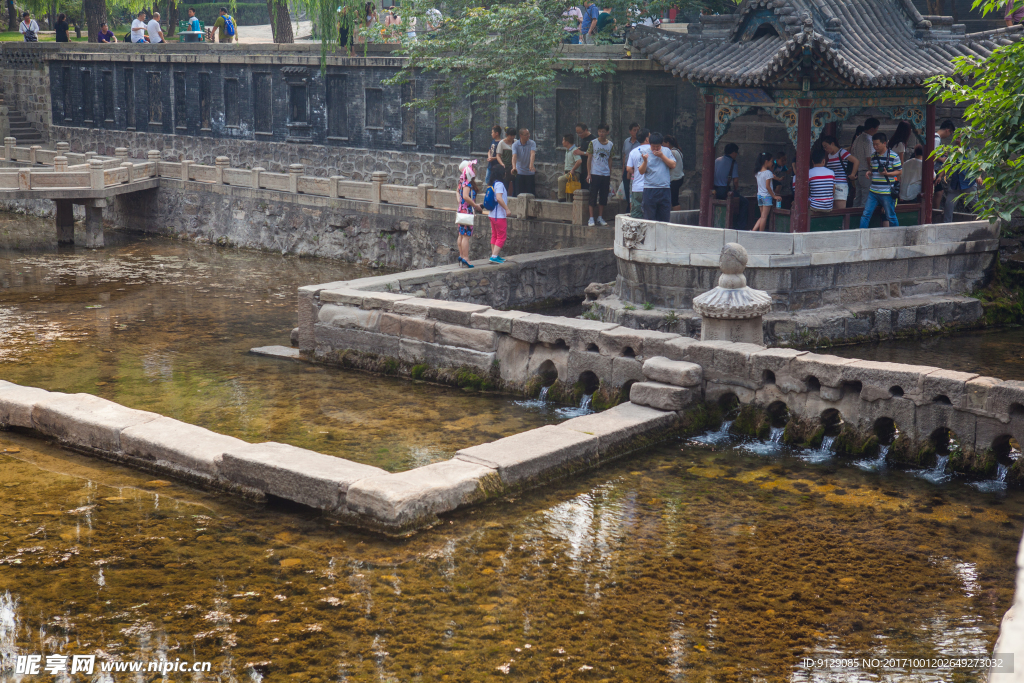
x=118 y=170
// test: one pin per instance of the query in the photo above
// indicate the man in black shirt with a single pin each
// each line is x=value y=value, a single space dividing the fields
x=585 y=136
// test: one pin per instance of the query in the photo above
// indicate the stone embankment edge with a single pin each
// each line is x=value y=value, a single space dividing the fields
x=521 y=351
x=359 y=495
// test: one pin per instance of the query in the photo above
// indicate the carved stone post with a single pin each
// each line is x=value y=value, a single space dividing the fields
x=153 y=156
x=121 y=153
x=96 y=174
x=9 y=144
x=580 y=202
x=256 y=177
x=186 y=170
x=524 y=205
x=62 y=148
x=24 y=179
x=423 y=195
x=129 y=167
x=220 y=163
x=732 y=311
x=377 y=178
x=335 y=188
x=60 y=164
x=32 y=153
x=294 y=171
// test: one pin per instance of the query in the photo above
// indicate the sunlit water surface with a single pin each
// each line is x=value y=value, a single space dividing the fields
x=166 y=326
x=685 y=563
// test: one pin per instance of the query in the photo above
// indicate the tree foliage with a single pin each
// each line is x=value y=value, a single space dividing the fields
x=991 y=144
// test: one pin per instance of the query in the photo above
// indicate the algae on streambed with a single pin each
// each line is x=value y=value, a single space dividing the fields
x=677 y=565
x=166 y=326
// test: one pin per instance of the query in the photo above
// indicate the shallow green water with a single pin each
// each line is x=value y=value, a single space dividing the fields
x=166 y=326
x=682 y=564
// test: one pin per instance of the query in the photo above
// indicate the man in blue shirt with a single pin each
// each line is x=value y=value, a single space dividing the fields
x=727 y=172
x=105 y=35
x=656 y=168
x=588 y=29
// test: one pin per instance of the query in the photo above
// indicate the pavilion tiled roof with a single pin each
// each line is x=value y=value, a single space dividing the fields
x=865 y=43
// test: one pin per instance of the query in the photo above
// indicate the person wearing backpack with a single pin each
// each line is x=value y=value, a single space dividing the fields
x=884 y=171
x=29 y=28
x=225 y=27
x=496 y=202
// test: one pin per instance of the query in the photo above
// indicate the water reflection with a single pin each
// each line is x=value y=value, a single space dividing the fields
x=690 y=564
x=166 y=326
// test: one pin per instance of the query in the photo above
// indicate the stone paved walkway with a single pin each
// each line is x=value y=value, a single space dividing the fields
x=263 y=33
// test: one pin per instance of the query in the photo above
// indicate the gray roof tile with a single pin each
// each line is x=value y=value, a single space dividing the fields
x=868 y=42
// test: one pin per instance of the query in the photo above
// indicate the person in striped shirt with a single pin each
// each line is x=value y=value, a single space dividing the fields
x=884 y=171
x=821 y=183
x=837 y=160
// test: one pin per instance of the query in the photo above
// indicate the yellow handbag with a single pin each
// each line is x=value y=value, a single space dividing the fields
x=572 y=185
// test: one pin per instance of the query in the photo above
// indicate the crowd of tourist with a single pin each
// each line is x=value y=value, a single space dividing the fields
x=651 y=177
x=880 y=170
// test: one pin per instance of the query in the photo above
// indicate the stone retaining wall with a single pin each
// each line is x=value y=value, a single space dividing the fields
x=520 y=351
x=668 y=264
x=386 y=235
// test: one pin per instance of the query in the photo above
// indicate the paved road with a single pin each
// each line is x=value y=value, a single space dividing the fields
x=263 y=33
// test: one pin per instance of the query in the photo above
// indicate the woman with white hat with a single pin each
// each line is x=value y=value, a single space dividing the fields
x=467 y=207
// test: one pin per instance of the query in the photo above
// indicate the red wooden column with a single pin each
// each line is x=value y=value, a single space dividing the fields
x=800 y=215
x=928 y=169
x=707 y=179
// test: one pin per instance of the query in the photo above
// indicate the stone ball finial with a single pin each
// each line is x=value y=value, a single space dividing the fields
x=732 y=262
x=733 y=259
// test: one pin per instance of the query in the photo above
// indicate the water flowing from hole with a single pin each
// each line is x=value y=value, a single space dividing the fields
x=824 y=452
x=583 y=409
x=539 y=403
x=938 y=474
x=717 y=438
x=776 y=435
x=997 y=484
x=877 y=464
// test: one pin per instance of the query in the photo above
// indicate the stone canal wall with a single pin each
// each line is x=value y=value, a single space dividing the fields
x=864 y=402
x=382 y=234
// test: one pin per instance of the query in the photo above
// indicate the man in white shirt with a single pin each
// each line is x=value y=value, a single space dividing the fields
x=139 y=28
x=156 y=35
x=636 y=179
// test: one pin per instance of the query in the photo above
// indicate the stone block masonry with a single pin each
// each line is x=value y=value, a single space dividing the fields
x=661 y=370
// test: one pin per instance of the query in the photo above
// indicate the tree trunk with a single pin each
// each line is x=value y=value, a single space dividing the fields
x=280 y=21
x=12 y=20
x=172 y=17
x=95 y=12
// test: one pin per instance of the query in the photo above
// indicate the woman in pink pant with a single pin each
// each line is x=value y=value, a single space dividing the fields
x=499 y=214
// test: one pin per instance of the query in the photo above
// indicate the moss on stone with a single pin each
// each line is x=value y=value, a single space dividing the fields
x=973 y=465
x=753 y=421
x=803 y=434
x=1015 y=475
x=700 y=418
x=608 y=397
x=853 y=444
x=905 y=453
x=417 y=371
